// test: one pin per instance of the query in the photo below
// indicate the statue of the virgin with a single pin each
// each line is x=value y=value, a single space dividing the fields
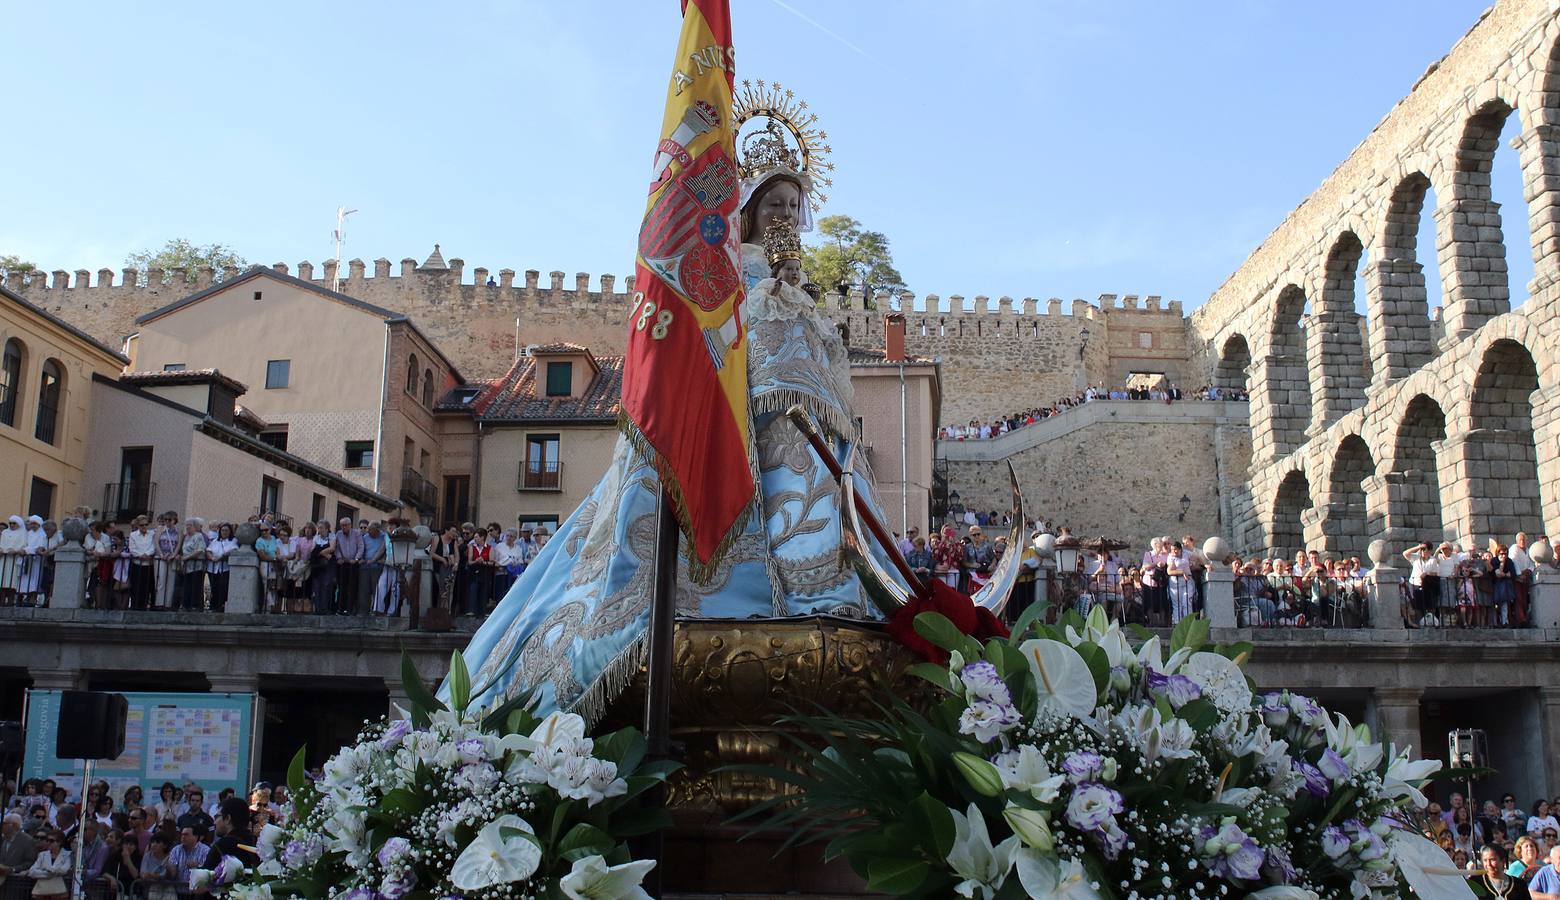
x=573 y=626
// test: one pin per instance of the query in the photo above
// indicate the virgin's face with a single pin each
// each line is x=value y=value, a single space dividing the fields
x=780 y=201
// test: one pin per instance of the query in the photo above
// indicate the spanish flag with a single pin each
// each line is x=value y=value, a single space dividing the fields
x=685 y=380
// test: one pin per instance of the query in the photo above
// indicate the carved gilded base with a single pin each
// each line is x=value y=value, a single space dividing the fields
x=736 y=678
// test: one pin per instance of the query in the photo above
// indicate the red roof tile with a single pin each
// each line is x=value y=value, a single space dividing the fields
x=514 y=397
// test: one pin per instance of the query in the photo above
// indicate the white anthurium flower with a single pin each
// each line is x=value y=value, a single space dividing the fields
x=1221 y=680
x=1405 y=774
x=1043 y=875
x=1025 y=769
x=592 y=879
x=1283 y=892
x=1427 y=869
x=983 y=867
x=1062 y=678
x=200 y=879
x=492 y=859
x=250 y=891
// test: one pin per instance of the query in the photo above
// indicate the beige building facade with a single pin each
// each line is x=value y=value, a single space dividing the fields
x=45 y=407
x=156 y=448
x=346 y=385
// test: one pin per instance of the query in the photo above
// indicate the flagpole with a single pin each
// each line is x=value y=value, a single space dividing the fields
x=658 y=678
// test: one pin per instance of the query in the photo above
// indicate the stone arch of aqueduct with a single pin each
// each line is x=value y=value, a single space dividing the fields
x=1411 y=428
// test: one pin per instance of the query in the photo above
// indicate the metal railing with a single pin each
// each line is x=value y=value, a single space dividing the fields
x=1466 y=600
x=1288 y=602
x=417 y=490
x=124 y=500
x=541 y=475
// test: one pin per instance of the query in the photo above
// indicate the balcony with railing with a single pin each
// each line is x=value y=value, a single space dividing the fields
x=541 y=475
x=124 y=500
x=418 y=491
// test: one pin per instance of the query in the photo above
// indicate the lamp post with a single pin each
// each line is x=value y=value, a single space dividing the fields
x=403 y=540
x=1186 y=505
x=1067 y=550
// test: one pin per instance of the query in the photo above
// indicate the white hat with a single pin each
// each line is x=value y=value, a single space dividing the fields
x=35 y=520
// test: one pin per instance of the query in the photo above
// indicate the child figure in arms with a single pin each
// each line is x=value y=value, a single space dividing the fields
x=783 y=245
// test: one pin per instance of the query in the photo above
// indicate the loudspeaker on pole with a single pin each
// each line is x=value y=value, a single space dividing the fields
x=91 y=725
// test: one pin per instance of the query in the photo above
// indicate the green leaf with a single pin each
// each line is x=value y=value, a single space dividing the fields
x=934 y=673
x=1098 y=663
x=1201 y=714
x=400 y=800
x=981 y=775
x=424 y=703
x=297 y=769
x=584 y=840
x=936 y=822
x=510 y=716
x=460 y=682
x=1179 y=633
x=1028 y=618
x=896 y=876
x=936 y=628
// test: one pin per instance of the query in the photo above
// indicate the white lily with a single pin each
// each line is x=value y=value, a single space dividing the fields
x=1025 y=769
x=491 y=858
x=1062 y=678
x=1405 y=774
x=983 y=867
x=592 y=879
x=1043 y=875
x=1283 y=892
x=349 y=835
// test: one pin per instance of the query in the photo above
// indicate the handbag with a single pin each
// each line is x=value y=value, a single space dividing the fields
x=52 y=886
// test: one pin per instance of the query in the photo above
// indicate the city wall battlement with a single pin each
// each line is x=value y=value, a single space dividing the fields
x=998 y=354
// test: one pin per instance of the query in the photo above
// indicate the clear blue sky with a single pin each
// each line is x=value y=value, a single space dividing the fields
x=1022 y=148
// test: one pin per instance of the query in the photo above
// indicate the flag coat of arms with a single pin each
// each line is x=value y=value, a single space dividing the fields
x=685 y=381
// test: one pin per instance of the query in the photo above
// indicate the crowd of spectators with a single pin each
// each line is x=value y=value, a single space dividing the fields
x=128 y=845
x=314 y=568
x=1504 y=849
x=977 y=430
x=1448 y=586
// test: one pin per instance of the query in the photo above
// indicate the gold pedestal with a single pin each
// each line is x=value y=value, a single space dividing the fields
x=734 y=680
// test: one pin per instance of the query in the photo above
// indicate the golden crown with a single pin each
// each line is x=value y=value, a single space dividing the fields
x=781 y=242
x=804 y=153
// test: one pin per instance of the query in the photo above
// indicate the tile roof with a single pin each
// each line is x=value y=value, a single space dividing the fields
x=863 y=357
x=460 y=397
x=514 y=397
x=559 y=347
x=244 y=414
x=184 y=376
x=263 y=272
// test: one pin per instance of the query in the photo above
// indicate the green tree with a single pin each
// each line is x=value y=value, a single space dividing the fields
x=848 y=256
x=11 y=264
x=180 y=253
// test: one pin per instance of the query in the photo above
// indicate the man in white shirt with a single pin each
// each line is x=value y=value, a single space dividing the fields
x=142 y=544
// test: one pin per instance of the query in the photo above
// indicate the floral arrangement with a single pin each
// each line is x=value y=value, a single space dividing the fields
x=1067 y=762
x=451 y=803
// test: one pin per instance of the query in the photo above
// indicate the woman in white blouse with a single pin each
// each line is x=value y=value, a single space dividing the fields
x=217 y=552
x=1181 y=588
x=51 y=868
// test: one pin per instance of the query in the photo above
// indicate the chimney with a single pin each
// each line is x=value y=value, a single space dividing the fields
x=894 y=338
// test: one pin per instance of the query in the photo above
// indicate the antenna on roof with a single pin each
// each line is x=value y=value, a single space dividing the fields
x=340 y=237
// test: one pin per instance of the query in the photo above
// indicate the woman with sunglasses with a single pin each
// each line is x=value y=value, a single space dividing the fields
x=51 y=869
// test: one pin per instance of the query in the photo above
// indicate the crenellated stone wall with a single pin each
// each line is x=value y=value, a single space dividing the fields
x=999 y=355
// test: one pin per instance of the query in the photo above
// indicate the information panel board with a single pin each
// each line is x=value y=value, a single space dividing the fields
x=204 y=738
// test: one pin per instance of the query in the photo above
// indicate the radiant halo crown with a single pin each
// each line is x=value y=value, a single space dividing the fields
x=804 y=153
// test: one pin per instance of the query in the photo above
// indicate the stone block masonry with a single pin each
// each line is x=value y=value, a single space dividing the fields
x=998 y=356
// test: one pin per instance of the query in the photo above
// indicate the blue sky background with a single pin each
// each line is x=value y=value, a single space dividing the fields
x=1061 y=148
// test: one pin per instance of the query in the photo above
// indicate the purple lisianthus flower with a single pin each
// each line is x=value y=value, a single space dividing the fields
x=1092 y=806
x=1082 y=765
x=396 y=888
x=1309 y=711
x=393 y=850
x=1230 y=853
x=1275 y=712
x=983 y=683
x=1334 y=842
x=1278 y=867
x=398 y=729
x=359 y=893
x=471 y=751
x=1367 y=845
x=985 y=720
x=1178 y=689
x=306 y=852
x=1112 y=839
x=1316 y=784
x=1332 y=765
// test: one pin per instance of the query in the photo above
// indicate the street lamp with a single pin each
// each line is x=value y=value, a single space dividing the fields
x=1067 y=552
x=403 y=540
x=1186 y=504
x=1083 y=341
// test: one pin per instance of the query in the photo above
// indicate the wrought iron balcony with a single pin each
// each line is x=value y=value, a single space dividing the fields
x=541 y=475
x=124 y=500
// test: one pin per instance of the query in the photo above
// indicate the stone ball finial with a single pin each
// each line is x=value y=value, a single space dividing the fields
x=246 y=534
x=424 y=537
x=1217 y=549
x=1542 y=553
x=1377 y=551
x=1046 y=545
x=73 y=530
